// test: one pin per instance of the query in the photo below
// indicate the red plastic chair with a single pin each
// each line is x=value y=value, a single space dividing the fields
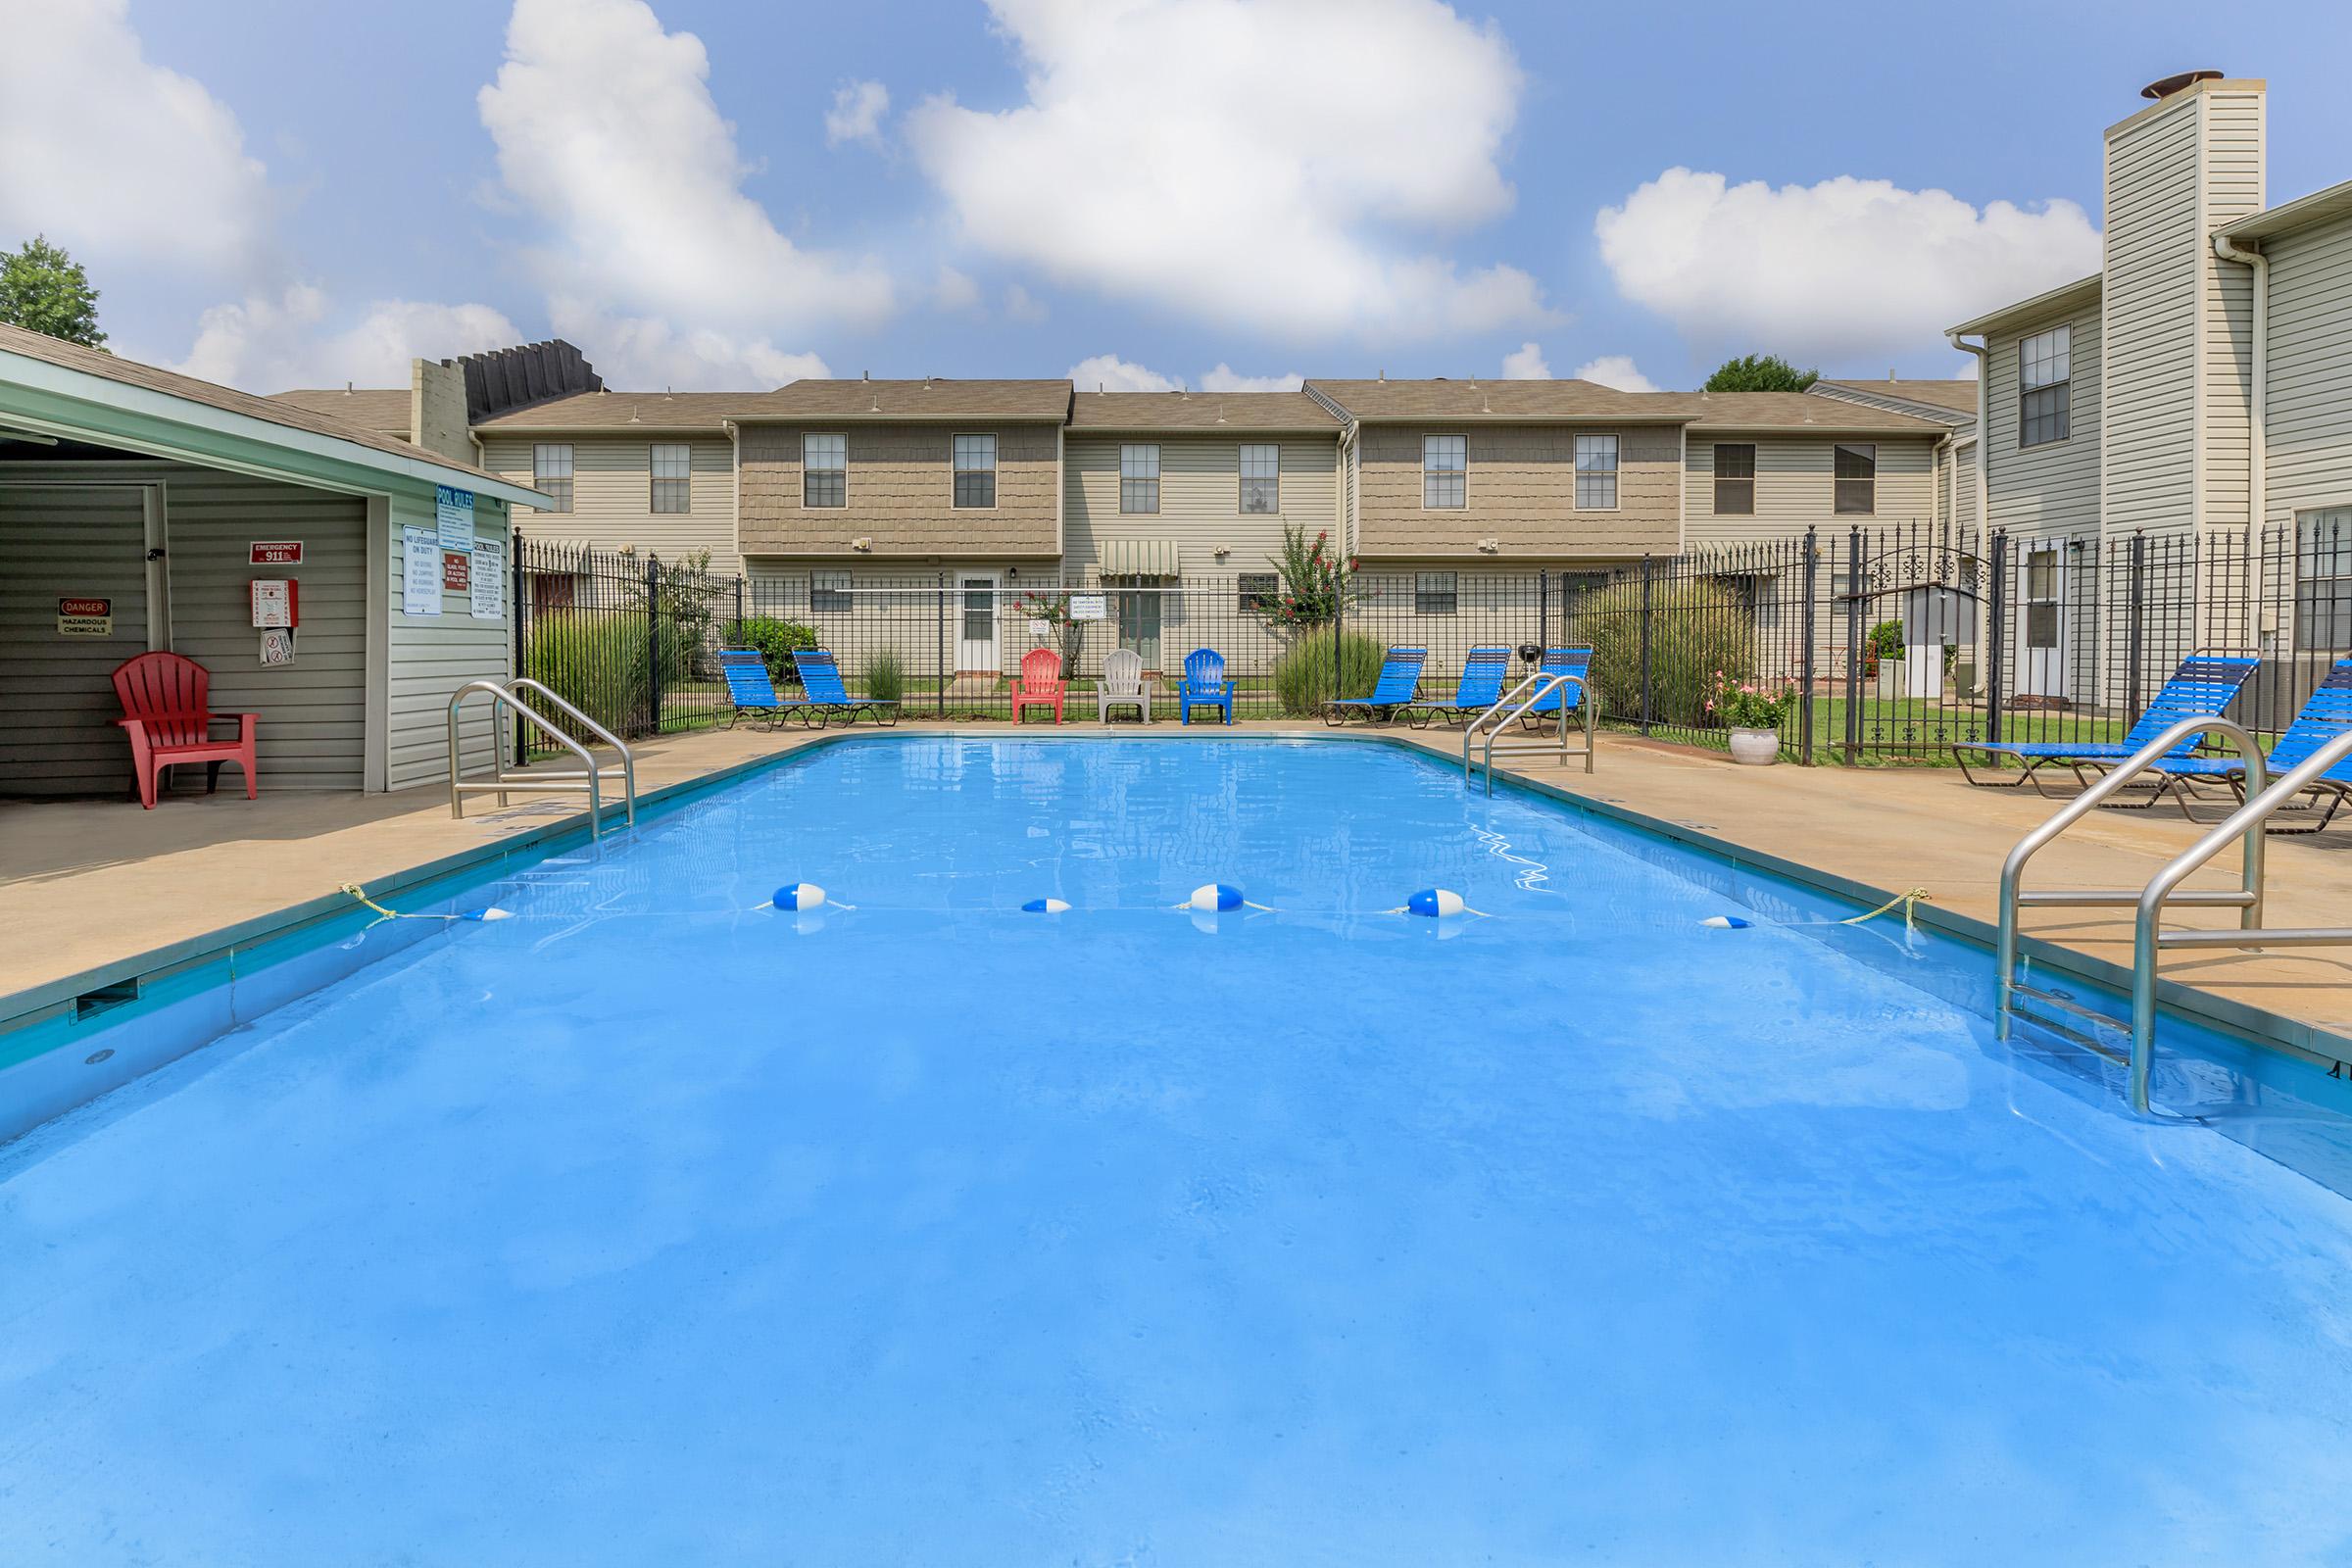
x=169 y=718
x=1041 y=684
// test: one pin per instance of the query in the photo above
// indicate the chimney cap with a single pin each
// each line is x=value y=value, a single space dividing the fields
x=2166 y=86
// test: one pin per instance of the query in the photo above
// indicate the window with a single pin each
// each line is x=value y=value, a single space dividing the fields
x=1434 y=593
x=2324 y=580
x=671 y=463
x=1260 y=591
x=1857 y=479
x=1139 y=477
x=829 y=592
x=824 y=471
x=551 y=472
x=1444 y=471
x=1261 y=478
x=2044 y=368
x=1735 y=480
x=2042 y=600
x=1596 y=473
x=975 y=470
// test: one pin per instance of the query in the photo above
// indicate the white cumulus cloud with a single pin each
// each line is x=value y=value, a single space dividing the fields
x=607 y=135
x=272 y=342
x=955 y=291
x=1611 y=370
x=645 y=352
x=1269 y=176
x=1023 y=306
x=1842 y=269
x=116 y=158
x=1224 y=379
x=1526 y=363
x=1108 y=372
x=857 y=112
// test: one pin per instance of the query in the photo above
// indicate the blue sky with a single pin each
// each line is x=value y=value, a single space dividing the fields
x=1154 y=189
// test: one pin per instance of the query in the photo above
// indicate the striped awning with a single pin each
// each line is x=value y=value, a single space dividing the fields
x=1138 y=558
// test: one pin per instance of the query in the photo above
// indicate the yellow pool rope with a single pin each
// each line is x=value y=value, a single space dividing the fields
x=359 y=893
x=1905 y=900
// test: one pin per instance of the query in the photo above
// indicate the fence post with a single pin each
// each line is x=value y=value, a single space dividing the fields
x=1804 y=695
x=2136 y=639
x=1854 y=647
x=739 y=607
x=1338 y=623
x=1996 y=635
x=1646 y=578
x=653 y=640
x=1543 y=607
x=522 y=648
x=939 y=663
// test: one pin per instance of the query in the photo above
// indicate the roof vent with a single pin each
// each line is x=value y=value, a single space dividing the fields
x=2166 y=86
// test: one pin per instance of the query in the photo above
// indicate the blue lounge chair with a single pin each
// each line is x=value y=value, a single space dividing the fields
x=1204 y=685
x=750 y=693
x=827 y=696
x=1484 y=669
x=1392 y=694
x=1577 y=661
x=2325 y=714
x=2202 y=687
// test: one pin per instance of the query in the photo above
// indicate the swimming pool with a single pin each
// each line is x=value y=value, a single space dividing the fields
x=656 y=1224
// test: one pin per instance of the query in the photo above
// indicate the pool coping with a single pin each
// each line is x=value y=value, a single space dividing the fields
x=49 y=1000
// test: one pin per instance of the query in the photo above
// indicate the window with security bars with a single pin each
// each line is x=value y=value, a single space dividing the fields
x=1260 y=591
x=551 y=473
x=1261 y=477
x=1435 y=593
x=824 y=471
x=672 y=466
x=1444 y=471
x=2045 y=375
x=2042 y=600
x=2324 y=580
x=1735 y=479
x=829 y=592
x=975 y=470
x=1139 y=476
x=1596 y=473
x=1855 y=478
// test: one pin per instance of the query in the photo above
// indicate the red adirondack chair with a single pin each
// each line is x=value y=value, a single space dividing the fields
x=169 y=718
x=1041 y=684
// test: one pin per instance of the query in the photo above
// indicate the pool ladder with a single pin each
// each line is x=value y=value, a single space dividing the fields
x=502 y=781
x=2264 y=796
x=1545 y=682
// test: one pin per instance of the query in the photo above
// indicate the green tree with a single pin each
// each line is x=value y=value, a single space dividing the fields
x=1760 y=372
x=42 y=290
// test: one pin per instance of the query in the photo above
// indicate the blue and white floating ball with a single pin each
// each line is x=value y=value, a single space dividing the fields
x=1439 y=904
x=800 y=895
x=1725 y=923
x=492 y=913
x=1214 y=897
x=1044 y=907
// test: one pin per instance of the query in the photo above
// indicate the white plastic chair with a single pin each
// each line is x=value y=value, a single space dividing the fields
x=1123 y=685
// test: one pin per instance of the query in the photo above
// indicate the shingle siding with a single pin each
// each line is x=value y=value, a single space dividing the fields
x=1521 y=491
x=901 y=493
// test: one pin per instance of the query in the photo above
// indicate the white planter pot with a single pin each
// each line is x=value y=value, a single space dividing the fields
x=1757 y=748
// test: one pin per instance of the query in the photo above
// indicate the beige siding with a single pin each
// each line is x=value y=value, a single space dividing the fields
x=2052 y=488
x=1199 y=500
x=901 y=494
x=429 y=657
x=1795 y=487
x=2232 y=189
x=613 y=494
x=2148 y=322
x=1521 y=491
x=2309 y=433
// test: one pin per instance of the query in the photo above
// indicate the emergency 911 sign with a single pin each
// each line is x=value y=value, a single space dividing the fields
x=85 y=617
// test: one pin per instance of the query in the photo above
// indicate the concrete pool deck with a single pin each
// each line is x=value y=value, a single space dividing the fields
x=86 y=885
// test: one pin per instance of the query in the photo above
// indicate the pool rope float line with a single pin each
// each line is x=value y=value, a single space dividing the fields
x=491 y=912
x=1904 y=902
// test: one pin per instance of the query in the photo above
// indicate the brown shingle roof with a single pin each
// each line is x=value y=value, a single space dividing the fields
x=1797 y=410
x=384 y=408
x=933 y=398
x=624 y=411
x=1198 y=411
x=1956 y=395
x=170 y=383
x=1501 y=401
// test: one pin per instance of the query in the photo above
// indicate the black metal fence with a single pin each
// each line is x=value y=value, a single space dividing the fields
x=1887 y=643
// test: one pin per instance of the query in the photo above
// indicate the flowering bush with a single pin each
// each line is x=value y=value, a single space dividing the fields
x=1313 y=582
x=1067 y=634
x=1745 y=705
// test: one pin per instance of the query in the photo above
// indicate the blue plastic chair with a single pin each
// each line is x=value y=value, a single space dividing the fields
x=1393 y=694
x=1204 y=685
x=750 y=693
x=2325 y=714
x=821 y=676
x=2202 y=687
x=1484 y=669
x=1561 y=700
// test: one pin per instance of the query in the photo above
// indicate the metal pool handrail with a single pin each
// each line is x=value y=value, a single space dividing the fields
x=1545 y=682
x=628 y=758
x=500 y=781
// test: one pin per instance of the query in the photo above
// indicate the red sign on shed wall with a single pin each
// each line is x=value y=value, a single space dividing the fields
x=276 y=552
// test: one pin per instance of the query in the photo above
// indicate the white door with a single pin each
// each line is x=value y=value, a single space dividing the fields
x=976 y=624
x=2043 y=671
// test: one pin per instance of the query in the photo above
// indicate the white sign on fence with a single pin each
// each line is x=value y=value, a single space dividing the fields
x=488 y=587
x=1089 y=607
x=421 y=571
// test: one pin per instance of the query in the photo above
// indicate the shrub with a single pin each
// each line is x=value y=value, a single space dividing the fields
x=776 y=641
x=1302 y=675
x=595 y=659
x=1696 y=628
x=882 y=676
x=1313 y=582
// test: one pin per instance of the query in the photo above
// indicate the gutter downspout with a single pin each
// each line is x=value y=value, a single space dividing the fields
x=735 y=519
x=1982 y=354
x=2258 y=498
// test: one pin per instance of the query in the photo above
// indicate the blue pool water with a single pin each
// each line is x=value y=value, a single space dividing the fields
x=652 y=1225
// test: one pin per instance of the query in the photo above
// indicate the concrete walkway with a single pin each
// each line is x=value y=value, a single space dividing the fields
x=88 y=884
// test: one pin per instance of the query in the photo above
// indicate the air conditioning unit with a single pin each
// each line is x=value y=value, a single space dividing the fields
x=861 y=544
x=1491 y=547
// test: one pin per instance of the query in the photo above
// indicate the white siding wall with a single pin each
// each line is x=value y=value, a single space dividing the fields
x=2148 y=322
x=432 y=655
x=1199 y=500
x=612 y=493
x=2232 y=189
x=1795 y=487
x=2309 y=436
x=2052 y=488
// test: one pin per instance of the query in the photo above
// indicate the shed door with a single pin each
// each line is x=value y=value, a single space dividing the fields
x=57 y=695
